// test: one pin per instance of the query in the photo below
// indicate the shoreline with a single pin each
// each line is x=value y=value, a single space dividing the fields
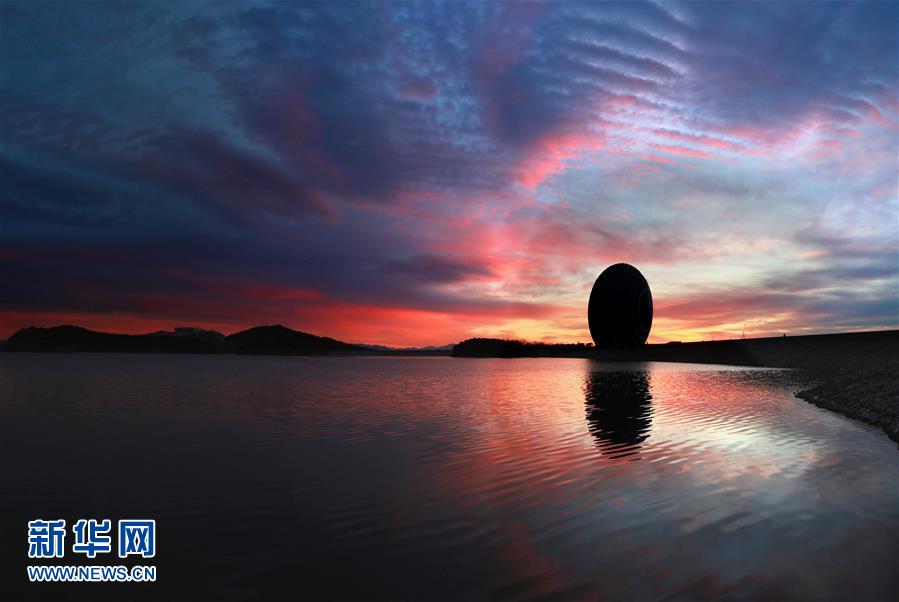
x=856 y=374
x=867 y=394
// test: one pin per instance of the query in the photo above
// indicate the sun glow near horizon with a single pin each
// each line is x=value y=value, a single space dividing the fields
x=379 y=186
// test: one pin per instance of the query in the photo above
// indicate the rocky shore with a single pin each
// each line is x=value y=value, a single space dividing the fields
x=869 y=393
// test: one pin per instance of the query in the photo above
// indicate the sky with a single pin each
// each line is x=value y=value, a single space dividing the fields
x=416 y=174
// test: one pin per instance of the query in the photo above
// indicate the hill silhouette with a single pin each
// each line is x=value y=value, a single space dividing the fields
x=69 y=339
x=481 y=347
x=280 y=340
x=261 y=340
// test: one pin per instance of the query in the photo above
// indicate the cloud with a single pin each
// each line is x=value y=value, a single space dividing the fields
x=473 y=164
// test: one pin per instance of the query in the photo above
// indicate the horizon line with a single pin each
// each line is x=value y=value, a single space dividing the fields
x=499 y=338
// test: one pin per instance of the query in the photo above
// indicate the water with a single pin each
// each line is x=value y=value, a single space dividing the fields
x=442 y=478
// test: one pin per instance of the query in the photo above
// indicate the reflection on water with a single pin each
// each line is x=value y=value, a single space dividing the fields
x=619 y=410
x=439 y=478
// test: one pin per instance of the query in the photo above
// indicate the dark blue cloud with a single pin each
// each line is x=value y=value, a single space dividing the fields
x=338 y=146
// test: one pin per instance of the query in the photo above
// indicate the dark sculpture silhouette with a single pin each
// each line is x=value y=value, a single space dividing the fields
x=619 y=410
x=620 y=309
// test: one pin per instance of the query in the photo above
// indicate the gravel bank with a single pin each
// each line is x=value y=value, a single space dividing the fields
x=870 y=394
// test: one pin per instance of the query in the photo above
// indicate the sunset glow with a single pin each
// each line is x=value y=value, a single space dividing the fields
x=415 y=175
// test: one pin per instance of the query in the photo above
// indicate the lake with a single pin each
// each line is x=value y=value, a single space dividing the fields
x=446 y=478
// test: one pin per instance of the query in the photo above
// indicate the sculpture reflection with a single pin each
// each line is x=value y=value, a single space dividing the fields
x=619 y=410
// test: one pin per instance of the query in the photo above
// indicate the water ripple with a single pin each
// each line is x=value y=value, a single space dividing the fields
x=440 y=478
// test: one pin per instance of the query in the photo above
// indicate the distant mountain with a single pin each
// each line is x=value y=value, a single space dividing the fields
x=74 y=338
x=261 y=340
x=279 y=340
x=513 y=348
x=437 y=349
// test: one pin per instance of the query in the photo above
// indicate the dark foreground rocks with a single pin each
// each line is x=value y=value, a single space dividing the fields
x=865 y=393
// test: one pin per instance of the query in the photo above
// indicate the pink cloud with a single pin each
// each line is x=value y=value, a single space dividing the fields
x=682 y=151
x=700 y=139
x=550 y=155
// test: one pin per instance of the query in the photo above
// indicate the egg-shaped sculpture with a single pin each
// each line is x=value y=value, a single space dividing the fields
x=620 y=309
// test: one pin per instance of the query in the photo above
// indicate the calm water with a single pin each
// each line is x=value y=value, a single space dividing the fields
x=441 y=478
